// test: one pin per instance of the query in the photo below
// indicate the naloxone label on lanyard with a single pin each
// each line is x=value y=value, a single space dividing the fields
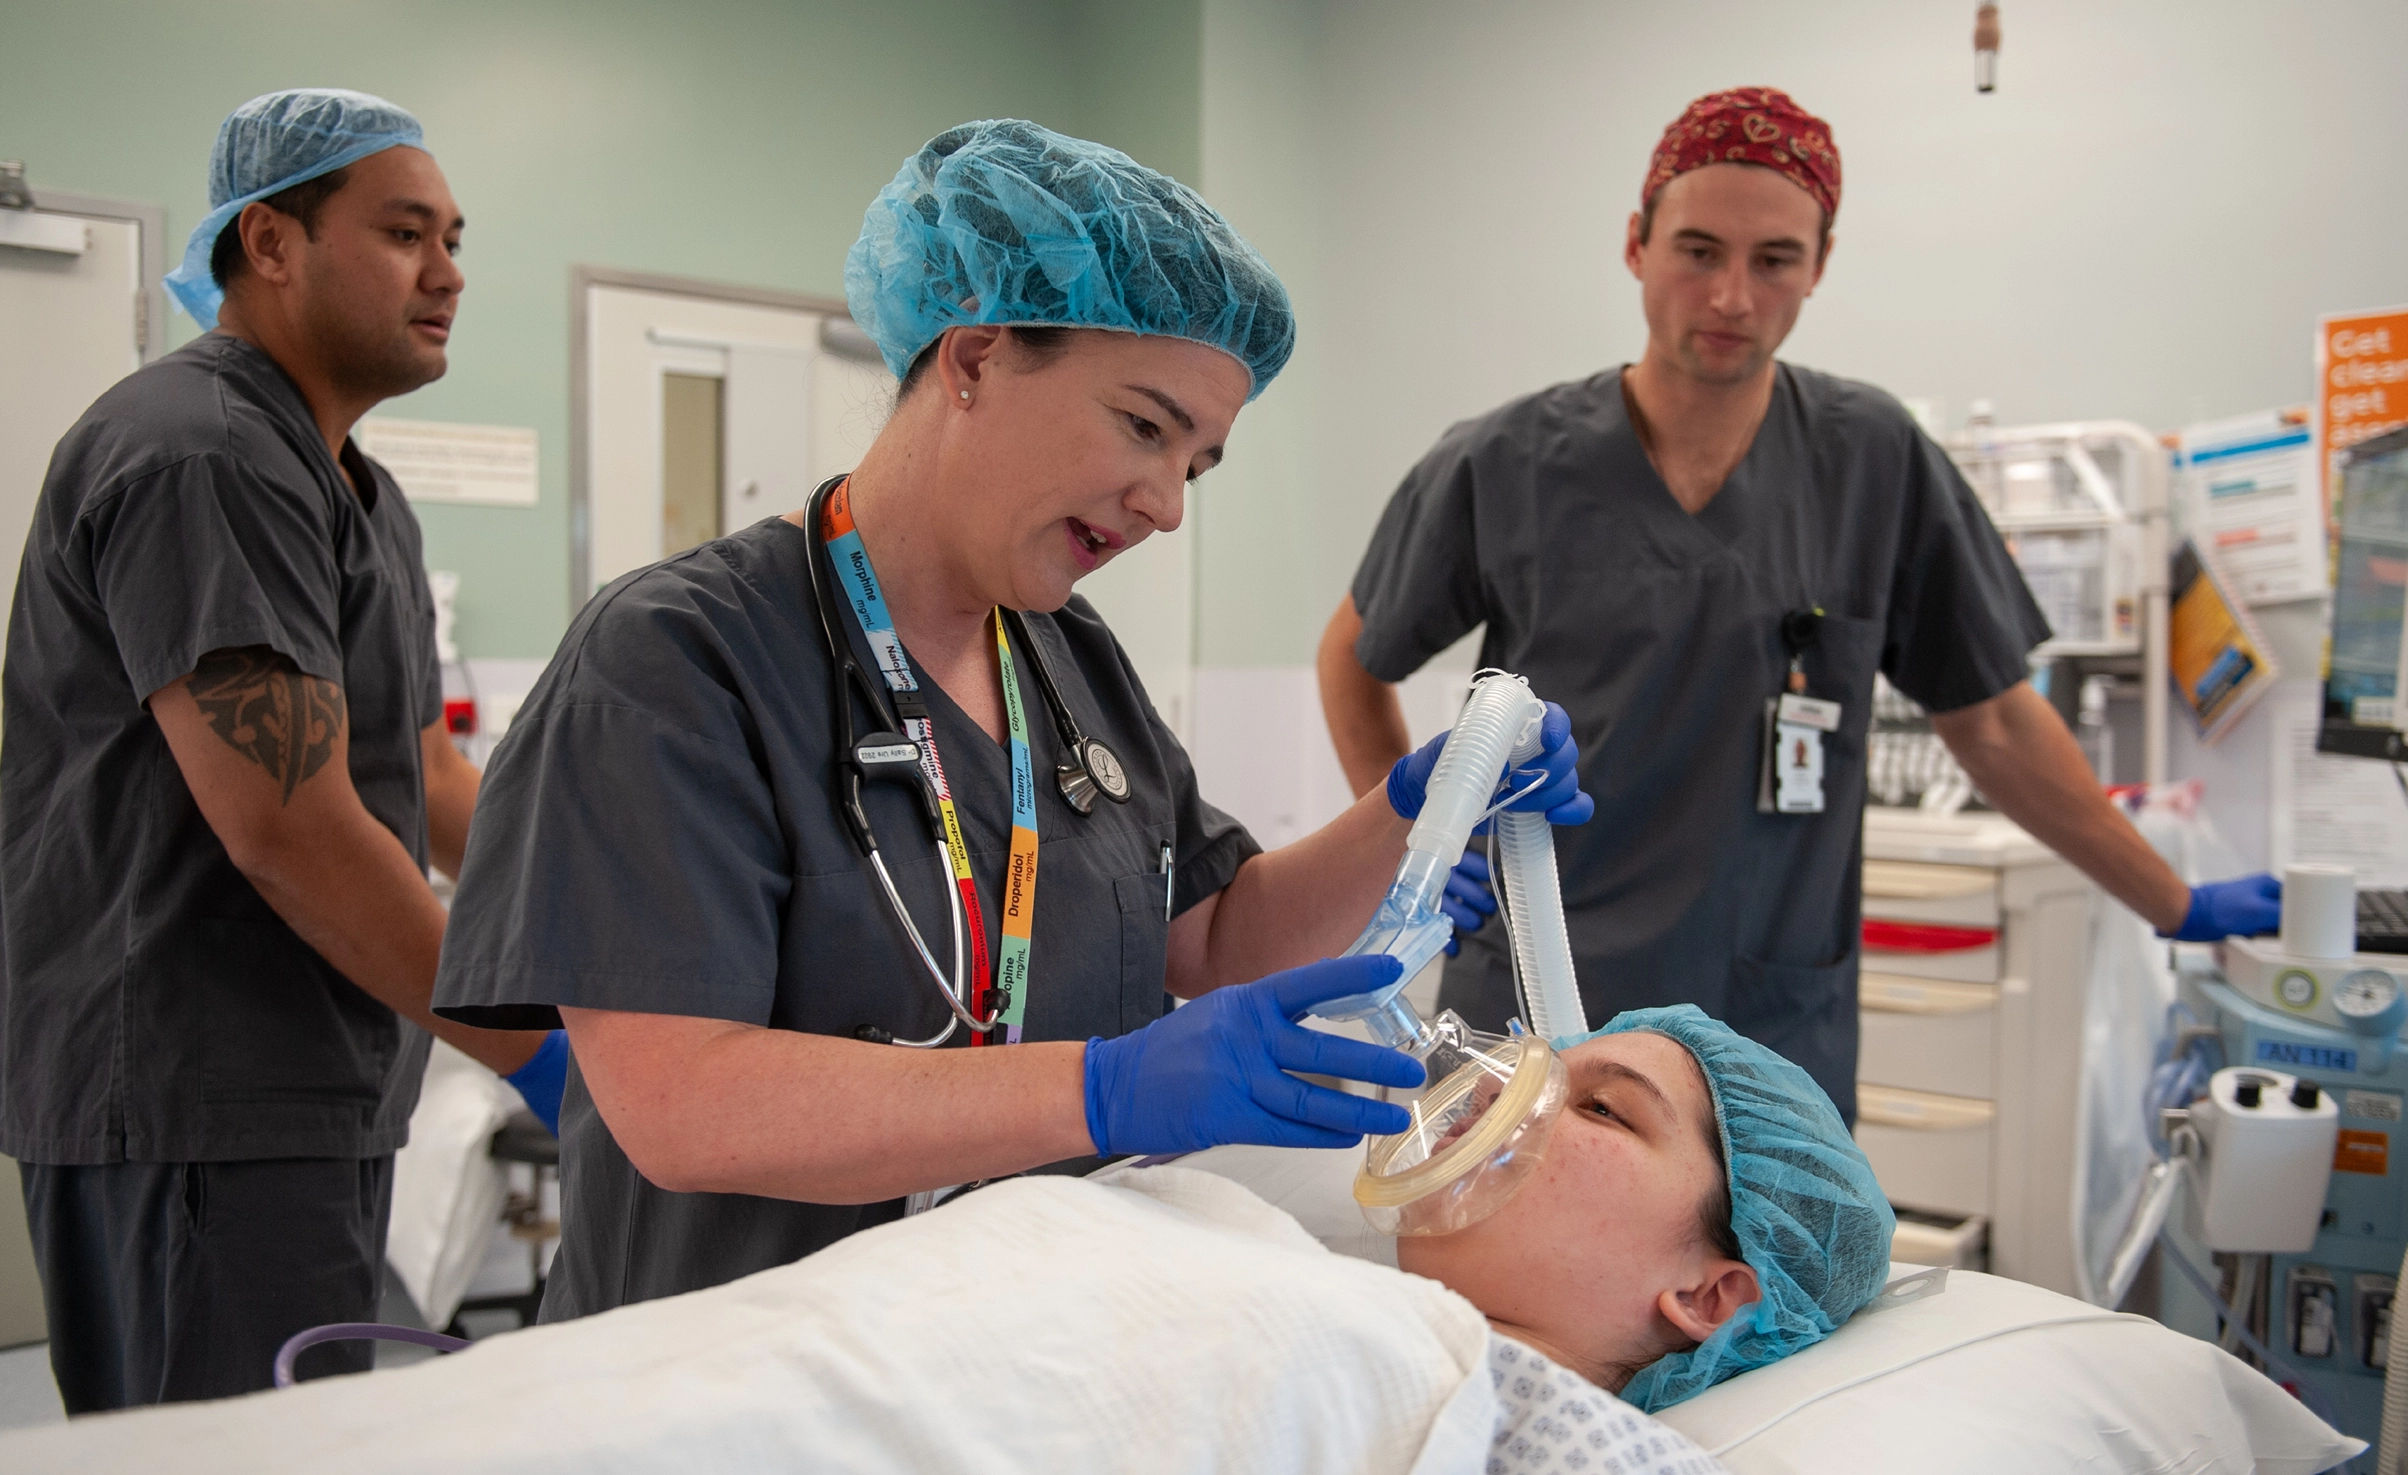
x=1790 y=779
x=860 y=582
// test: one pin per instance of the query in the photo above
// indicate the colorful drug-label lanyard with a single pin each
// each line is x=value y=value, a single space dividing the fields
x=1010 y=974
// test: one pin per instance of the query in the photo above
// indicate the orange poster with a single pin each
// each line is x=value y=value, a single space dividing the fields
x=2361 y=383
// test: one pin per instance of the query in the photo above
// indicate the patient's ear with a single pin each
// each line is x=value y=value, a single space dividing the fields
x=1724 y=1287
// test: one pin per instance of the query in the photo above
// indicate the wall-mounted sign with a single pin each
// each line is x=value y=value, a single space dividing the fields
x=2361 y=383
x=480 y=465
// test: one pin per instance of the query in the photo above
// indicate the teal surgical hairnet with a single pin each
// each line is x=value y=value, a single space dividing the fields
x=1006 y=222
x=272 y=143
x=1810 y=1220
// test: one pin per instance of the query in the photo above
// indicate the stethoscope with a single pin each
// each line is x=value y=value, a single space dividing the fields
x=887 y=755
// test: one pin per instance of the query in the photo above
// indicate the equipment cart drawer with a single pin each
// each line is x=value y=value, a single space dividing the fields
x=1927 y=1034
x=1931 y=950
x=1911 y=891
x=1931 y=1152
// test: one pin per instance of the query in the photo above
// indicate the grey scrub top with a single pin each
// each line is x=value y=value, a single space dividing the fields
x=1659 y=632
x=154 y=1007
x=657 y=834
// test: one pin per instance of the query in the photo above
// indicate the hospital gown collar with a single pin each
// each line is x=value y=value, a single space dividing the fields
x=1809 y=1217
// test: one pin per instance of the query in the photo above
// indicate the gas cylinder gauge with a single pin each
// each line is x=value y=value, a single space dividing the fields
x=2369 y=1001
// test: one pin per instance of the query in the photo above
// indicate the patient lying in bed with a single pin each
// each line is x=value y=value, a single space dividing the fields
x=1162 y=1319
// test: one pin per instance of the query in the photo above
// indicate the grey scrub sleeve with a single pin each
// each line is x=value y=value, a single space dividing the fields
x=1659 y=632
x=657 y=835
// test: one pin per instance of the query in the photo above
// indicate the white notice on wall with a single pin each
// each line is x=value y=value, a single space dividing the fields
x=483 y=465
x=2333 y=809
x=2248 y=489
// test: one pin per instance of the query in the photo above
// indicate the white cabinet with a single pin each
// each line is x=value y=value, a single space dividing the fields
x=1976 y=959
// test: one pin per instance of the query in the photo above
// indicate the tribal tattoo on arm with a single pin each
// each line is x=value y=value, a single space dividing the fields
x=270 y=711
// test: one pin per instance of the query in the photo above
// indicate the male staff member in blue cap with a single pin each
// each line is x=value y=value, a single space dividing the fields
x=224 y=776
x=1671 y=548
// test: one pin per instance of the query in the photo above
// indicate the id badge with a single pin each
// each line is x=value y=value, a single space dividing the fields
x=1791 y=777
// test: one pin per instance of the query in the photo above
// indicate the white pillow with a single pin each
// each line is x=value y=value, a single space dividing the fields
x=1994 y=1375
x=1989 y=1375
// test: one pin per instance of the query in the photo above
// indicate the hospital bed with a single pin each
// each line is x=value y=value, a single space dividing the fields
x=1060 y=1326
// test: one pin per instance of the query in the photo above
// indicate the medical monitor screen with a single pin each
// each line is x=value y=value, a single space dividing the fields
x=2362 y=697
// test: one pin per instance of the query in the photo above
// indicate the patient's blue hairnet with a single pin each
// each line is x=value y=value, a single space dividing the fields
x=1810 y=1220
x=272 y=143
x=1007 y=222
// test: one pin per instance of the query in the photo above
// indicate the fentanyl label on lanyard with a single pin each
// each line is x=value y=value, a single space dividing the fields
x=1790 y=779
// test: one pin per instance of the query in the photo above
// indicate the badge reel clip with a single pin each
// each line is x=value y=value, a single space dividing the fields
x=1790 y=779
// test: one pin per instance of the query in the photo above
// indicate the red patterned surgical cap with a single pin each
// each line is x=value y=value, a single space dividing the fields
x=1749 y=125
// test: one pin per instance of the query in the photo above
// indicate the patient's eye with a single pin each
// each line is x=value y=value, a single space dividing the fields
x=1603 y=1108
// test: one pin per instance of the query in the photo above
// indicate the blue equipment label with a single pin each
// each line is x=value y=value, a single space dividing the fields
x=2316 y=1057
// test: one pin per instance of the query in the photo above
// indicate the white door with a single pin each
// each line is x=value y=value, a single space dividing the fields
x=789 y=413
x=647 y=445
x=71 y=325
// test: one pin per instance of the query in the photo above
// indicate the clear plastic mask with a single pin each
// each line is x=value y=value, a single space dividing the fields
x=1480 y=1128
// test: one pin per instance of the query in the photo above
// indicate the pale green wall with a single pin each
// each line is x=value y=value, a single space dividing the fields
x=712 y=138
x=1262 y=594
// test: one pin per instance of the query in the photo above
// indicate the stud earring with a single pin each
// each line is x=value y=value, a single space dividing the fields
x=965 y=394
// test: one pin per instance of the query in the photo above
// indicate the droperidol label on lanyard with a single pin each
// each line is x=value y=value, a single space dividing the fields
x=860 y=583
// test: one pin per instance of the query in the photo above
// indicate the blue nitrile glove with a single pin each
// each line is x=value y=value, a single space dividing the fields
x=2243 y=907
x=1217 y=1070
x=1559 y=798
x=1467 y=900
x=544 y=1077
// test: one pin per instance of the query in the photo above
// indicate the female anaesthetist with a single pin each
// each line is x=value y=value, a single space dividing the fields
x=667 y=853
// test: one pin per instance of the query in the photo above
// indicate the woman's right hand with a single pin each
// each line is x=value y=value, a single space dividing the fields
x=1217 y=1071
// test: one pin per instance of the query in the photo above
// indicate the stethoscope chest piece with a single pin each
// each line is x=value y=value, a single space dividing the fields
x=1093 y=769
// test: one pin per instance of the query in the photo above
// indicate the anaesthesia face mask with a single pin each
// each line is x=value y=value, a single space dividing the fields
x=1482 y=1122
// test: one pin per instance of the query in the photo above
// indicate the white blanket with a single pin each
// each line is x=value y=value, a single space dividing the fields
x=1046 y=1325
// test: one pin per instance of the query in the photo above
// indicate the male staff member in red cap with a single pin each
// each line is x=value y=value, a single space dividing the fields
x=1674 y=549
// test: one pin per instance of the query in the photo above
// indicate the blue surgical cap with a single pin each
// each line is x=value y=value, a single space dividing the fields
x=1006 y=222
x=1810 y=1220
x=272 y=143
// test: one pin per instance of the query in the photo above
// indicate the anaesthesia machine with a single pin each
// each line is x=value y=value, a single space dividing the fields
x=1482 y=1119
x=2286 y=1158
